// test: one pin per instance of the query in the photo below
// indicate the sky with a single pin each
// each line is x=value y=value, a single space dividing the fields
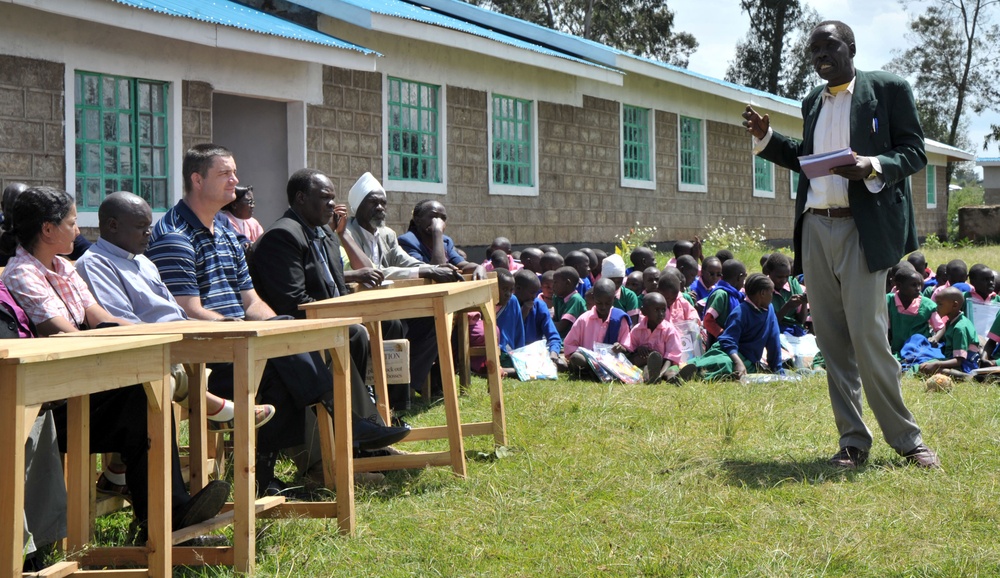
x=879 y=26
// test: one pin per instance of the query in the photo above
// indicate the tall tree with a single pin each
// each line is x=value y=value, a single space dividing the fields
x=772 y=56
x=642 y=27
x=954 y=63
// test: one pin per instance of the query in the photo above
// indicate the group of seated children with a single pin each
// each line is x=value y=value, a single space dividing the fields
x=930 y=325
x=587 y=298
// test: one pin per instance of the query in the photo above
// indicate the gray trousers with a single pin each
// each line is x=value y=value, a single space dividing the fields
x=850 y=318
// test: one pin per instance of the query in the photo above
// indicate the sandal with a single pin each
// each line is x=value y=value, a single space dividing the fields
x=262 y=415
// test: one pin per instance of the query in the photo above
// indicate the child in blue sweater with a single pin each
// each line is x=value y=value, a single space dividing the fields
x=751 y=329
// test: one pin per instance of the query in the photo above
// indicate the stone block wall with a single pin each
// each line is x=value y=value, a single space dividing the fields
x=344 y=134
x=196 y=116
x=32 y=117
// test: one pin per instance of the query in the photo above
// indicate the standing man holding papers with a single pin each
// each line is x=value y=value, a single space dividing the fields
x=850 y=227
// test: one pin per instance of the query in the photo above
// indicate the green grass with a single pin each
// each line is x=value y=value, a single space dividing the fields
x=708 y=479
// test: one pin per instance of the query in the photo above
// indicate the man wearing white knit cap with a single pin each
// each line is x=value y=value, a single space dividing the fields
x=613 y=268
x=380 y=249
x=378 y=242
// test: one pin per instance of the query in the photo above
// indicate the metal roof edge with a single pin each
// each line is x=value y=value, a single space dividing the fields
x=953 y=153
x=523 y=29
x=233 y=15
x=360 y=13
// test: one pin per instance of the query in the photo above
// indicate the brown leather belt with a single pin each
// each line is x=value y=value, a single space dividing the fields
x=834 y=213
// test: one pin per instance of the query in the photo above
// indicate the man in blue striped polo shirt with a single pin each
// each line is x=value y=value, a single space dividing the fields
x=201 y=261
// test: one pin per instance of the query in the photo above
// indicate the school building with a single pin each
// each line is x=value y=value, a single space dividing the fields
x=519 y=130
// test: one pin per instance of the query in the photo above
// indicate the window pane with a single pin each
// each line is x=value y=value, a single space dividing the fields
x=108 y=94
x=106 y=121
x=413 y=131
x=635 y=143
x=144 y=97
x=90 y=90
x=691 y=151
x=512 y=138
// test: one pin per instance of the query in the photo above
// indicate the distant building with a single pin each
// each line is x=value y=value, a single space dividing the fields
x=991 y=179
x=519 y=130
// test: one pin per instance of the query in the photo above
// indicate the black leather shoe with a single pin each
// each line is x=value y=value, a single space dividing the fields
x=849 y=458
x=370 y=434
x=923 y=457
x=202 y=506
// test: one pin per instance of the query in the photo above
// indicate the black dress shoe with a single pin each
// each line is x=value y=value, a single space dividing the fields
x=202 y=506
x=370 y=434
x=849 y=458
x=923 y=457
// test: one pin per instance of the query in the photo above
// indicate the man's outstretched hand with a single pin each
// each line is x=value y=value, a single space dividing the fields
x=756 y=124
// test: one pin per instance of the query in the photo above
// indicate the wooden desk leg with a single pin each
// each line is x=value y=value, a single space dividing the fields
x=79 y=476
x=464 y=364
x=456 y=445
x=244 y=455
x=197 y=426
x=378 y=369
x=493 y=374
x=12 y=474
x=159 y=417
x=343 y=437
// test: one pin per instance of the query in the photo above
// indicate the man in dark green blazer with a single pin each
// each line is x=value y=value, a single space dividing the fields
x=850 y=227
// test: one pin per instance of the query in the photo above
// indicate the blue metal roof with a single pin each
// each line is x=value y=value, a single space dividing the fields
x=226 y=13
x=575 y=44
x=402 y=9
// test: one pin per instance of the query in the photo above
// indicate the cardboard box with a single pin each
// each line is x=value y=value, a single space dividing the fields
x=397 y=362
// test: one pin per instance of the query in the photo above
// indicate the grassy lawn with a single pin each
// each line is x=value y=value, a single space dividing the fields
x=708 y=479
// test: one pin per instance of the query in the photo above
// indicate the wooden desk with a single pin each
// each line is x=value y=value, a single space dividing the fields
x=248 y=345
x=440 y=301
x=33 y=371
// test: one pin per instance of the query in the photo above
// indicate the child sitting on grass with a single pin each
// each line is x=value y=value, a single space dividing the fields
x=613 y=269
x=650 y=278
x=680 y=309
x=910 y=313
x=689 y=270
x=654 y=343
x=634 y=283
x=789 y=300
x=752 y=329
x=550 y=261
x=535 y=316
x=602 y=324
x=725 y=298
x=711 y=272
x=579 y=261
x=509 y=326
x=547 y=279
x=642 y=258
x=567 y=303
x=959 y=342
x=981 y=279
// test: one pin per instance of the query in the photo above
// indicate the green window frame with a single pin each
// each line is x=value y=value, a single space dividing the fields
x=513 y=157
x=692 y=152
x=793 y=177
x=121 y=139
x=636 y=144
x=763 y=177
x=931 y=187
x=414 y=131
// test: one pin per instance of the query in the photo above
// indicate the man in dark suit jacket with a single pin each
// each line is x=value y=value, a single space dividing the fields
x=297 y=260
x=850 y=227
